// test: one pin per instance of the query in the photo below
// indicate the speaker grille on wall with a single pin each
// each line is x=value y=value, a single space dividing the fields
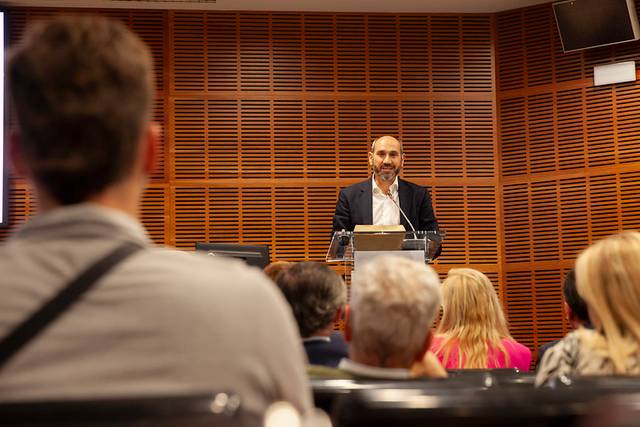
x=584 y=24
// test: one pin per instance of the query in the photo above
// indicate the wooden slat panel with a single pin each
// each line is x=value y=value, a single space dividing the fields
x=319 y=41
x=571 y=128
x=385 y=119
x=510 y=49
x=600 y=126
x=188 y=51
x=414 y=53
x=630 y=200
x=417 y=139
x=603 y=201
x=537 y=31
x=353 y=139
x=452 y=217
x=287 y=51
x=189 y=139
x=479 y=143
x=222 y=148
x=152 y=213
x=289 y=148
x=446 y=48
x=447 y=134
x=482 y=225
x=322 y=151
x=257 y=216
x=290 y=224
x=351 y=52
x=190 y=216
x=222 y=51
x=513 y=136
x=517 y=223
x=256 y=139
x=255 y=50
x=574 y=217
x=544 y=215
x=382 y=53
x=224 y=216
x=320 y=207
x=476 y=57
x=541 y=133
x=627 y=130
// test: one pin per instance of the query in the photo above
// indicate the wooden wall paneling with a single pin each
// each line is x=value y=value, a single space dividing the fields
x=520 y=307
x=452 y=217
x=353 y=139
x=225 y=215
x=571 y=126
x=518 y=234
x=537 y=49
x=351 y=52
x=574 y=217
x=321 y=202
x=189 y=138
x=382 y=44
x=289 y=145
x=448 y=139
x=222 y=149
x=189 y=45
x=385 y=119
x=481 y=235
x=627 y=131
x=630 y=200
x=417 y=139
x=479 y=145
x=540 y=121
x=320 y=62
x=510 y=48
x=322 y=152
x=546 y=232
x=221 y=55
x=153 y=212
x=477 y=66
x=415 y=53
x=601 y=148
x=255 y=52
x=513 y=136
x=446 y=53
x=550 y=322
x=190 y=216
x=258 y=213
x=288 y=52
x=291 y=224
x=256 y=139
x=604 y=205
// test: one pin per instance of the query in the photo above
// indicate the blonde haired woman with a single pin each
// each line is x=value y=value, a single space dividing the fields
x=608 y=279
x=473 y=331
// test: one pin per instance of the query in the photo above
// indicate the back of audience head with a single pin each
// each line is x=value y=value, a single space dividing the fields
x=82 y=89
x=472 y=317
x=393 y=304
x=316 y=293
x=576 y=309
x=275 y=268
x=608 y=278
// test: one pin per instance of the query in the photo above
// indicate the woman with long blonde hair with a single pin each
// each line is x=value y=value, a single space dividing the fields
x=473 y=331
x=608 y=279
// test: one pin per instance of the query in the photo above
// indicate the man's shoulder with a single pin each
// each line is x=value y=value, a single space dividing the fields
x=357 y=187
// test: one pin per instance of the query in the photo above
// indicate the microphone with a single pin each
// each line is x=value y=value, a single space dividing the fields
x=388 y=194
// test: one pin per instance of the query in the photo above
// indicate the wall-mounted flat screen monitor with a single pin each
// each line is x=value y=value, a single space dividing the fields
x=584 y=24
x=255 y=255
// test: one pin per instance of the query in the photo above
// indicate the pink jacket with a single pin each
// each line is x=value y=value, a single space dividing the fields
x=519 y=355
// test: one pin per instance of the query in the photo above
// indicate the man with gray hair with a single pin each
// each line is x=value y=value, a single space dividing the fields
x=394 y=301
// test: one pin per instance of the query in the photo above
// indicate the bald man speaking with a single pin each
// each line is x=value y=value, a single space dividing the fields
x=385 y=199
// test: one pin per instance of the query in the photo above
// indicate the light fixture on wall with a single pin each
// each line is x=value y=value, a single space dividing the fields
x=618 y=72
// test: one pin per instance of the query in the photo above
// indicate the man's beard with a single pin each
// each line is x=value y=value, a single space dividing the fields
x=387 y=175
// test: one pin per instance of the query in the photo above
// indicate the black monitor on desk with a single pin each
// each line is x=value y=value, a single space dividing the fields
x=255 y=255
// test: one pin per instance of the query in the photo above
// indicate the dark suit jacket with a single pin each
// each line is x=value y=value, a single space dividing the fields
x=326 y=353
x=355 y=206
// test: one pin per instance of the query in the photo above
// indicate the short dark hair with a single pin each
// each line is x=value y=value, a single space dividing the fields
x=82 y=89
x=315 y=293
x=573 y=299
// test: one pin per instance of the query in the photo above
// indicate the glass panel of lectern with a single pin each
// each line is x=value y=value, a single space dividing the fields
x=356 y=248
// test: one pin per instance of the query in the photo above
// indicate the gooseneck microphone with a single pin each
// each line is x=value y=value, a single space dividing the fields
x=390 y=196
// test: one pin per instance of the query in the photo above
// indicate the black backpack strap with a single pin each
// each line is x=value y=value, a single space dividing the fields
x=58 y=304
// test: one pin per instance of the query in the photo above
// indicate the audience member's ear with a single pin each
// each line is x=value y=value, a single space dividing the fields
x=150 y=143
x=347 y=323
x=18 y=163
x=426 y=346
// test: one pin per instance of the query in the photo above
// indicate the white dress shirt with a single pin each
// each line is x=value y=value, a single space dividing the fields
x=385 y=212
